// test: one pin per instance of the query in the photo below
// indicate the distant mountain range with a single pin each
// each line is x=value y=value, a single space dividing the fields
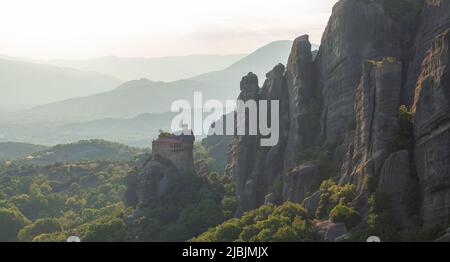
x=25 y=84
x=259 y=62
x=128 y=100
x=145 y=96
x=165 y=69
x=133 y=112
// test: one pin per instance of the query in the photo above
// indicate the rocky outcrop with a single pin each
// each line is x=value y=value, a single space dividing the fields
x=377 y=103
x=271 y=159
x=242 y=154
x=375 y=56
x=151 y=183
x=393 y=181
x=304 y=108
x=357 y=31
x=432 y=131
x=434 y=20
x=311 y=203
x=298 y=181
x=256 y=169
x=330 y=231
x=270 y=199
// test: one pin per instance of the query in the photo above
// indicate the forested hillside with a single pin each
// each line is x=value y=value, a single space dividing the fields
x=86 y=199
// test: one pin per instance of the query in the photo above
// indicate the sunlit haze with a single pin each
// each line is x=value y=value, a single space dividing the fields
x=49 y=29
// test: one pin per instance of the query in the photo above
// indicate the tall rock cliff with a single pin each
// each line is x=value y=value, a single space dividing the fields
x=258 y=170
x=151 y=183
x=432 y=130
x=303 y=105
x=243 y=152
x=377 y=103
x=345 y=114
x=434 y=20
x=357 y=31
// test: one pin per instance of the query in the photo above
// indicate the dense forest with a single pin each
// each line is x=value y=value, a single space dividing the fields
x=86 y=199
x=50 y=203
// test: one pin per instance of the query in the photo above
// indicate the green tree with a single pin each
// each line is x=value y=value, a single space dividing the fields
x=11 y=221
x=40 y=226
x=346 y=215
x=52 y=237
x=105 y=229
x=333 y=194
x=228 y=231
x=288 y=222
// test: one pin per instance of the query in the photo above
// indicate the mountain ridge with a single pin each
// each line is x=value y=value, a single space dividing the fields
x=166 y=69
x=27 y=84
x=83 y=150
x=214 y=85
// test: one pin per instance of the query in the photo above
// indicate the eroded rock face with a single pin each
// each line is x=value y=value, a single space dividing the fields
x=270 y=199
x=255 y=168
x=357 y=31
x=351 y=92
x=242 y=157
x=434 y=20
x=311 y=203
x=432 y=131
x=393 y=183
x=272 y=87
x=298 y=181
x=377 y=103
x=271 y=159
x=303 y=104
x=330 y=231
x=153 y=182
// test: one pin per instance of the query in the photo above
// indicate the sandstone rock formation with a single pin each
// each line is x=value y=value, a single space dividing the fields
x=434 y=20
x=302 y=100
x=242 y=155
x=373 y=59
x=393 y=183
x=150 y=184
x=311 y=203
x=377 y=102
x=256 y=168
x=330 y=231
x=432 y=131
x=356 y=31
x=297 y=182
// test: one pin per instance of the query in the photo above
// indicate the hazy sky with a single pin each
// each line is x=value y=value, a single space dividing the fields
x=45 y=29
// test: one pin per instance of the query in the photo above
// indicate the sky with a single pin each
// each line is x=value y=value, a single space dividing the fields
x=49 y=29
